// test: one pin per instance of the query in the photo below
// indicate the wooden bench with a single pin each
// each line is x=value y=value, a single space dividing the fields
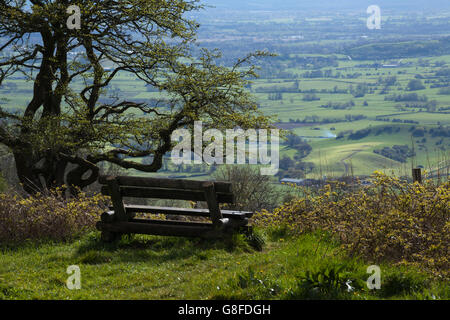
x=122 y=218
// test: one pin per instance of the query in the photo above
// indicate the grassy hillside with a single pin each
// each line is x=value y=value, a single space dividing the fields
x=316 y=246
x=335 y=156
x=169 y=268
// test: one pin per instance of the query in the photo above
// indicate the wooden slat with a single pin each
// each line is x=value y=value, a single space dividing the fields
x=221 y=187
x=161 y=229
x=226 y=222
x=173 y=223
x=185 y=211
x=173 y=194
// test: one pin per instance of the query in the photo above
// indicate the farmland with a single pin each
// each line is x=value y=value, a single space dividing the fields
x=346 y=90
x=320 y=125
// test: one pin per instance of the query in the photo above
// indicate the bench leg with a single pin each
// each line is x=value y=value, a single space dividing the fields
x=108 y=236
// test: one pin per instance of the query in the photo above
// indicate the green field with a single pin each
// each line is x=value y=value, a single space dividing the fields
x=149 y=268
x=329 y=155
x=321 y=67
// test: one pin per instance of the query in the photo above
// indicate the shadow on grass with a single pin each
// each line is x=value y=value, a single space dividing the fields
x=155 y=249
x=36 y=244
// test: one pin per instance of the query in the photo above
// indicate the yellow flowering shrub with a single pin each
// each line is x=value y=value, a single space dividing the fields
x=390 y=219
x=47 y=217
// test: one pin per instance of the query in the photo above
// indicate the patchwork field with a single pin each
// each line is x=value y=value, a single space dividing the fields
x=325 y=85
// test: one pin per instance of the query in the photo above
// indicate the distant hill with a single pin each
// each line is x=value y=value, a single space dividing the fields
x=400 y=5
x=400 y=50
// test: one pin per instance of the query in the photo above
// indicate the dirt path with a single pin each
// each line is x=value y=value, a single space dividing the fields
x=346 y=165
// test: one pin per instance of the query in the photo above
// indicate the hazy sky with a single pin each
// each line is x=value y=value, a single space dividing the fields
x=406 y=5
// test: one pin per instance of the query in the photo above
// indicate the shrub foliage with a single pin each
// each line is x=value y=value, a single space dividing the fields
x=47 y=217
x=389 y=220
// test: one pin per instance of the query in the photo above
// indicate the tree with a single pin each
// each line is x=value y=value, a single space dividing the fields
x=71 y=125
x=415 y=84
x=360 y=91
x=253 y=191
x=286 y=163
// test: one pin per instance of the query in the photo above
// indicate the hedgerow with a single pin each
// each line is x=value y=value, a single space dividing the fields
x=388 y=220
x=47 y=217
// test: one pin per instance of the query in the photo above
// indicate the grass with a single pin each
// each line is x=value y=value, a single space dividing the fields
x=147 y=267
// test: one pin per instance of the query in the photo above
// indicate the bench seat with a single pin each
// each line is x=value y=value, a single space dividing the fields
x=232 y=214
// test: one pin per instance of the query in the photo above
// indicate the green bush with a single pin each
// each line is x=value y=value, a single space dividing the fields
x=47 y=217
x=327 y=282
x=387 y=220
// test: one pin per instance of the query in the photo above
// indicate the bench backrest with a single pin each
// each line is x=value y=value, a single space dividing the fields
x=160 y=188
x=212 y=192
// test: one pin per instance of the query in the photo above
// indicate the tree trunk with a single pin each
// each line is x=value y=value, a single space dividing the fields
x=25 y=172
